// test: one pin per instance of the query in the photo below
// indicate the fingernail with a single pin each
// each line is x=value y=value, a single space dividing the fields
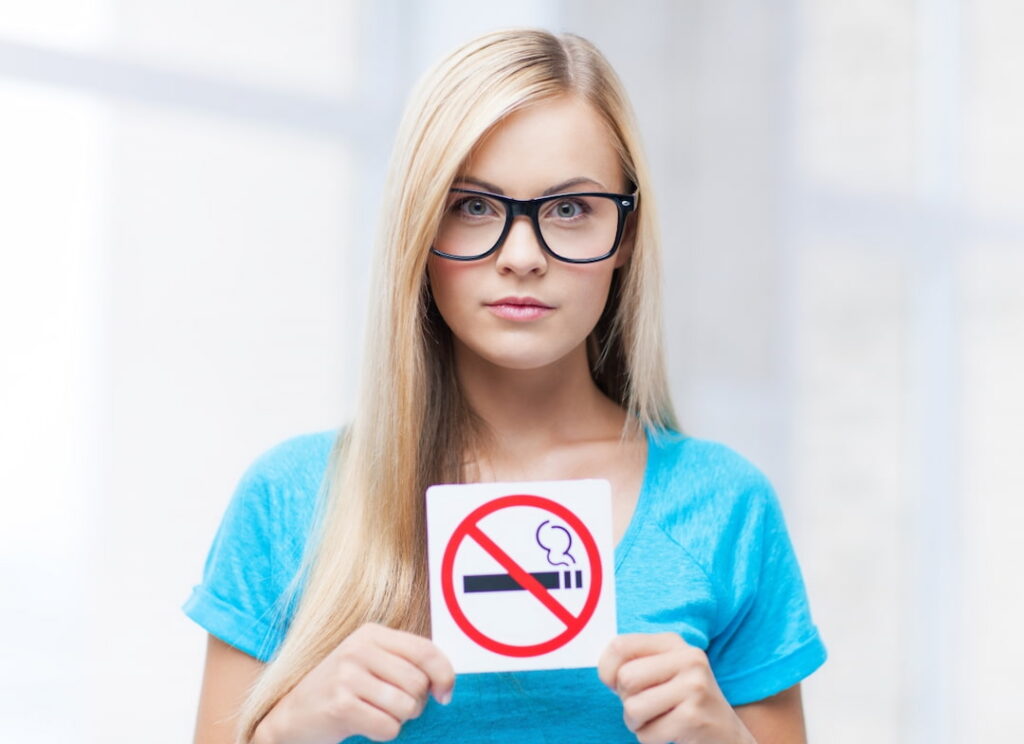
x=446 y=697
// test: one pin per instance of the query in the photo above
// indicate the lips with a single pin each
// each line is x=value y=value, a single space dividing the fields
x=519 y=309
x=520 y=302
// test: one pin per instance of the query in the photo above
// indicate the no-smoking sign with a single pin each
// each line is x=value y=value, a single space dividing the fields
x=521 y=574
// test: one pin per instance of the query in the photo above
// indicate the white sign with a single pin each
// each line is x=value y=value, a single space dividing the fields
x=521 y=574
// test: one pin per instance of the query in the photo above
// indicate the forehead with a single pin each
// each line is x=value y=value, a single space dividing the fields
x=547 y=143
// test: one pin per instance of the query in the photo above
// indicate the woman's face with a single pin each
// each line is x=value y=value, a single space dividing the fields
x=486 y=302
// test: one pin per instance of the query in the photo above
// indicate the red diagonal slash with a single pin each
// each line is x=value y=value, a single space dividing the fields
x=522 y=578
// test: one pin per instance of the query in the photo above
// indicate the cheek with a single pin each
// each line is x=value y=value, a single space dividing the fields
x=591 y=296
x=449 y=284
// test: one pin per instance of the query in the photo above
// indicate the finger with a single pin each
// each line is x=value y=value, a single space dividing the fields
x=398 y=671
x=427 y=656
x=628 y=646
x=662 y=729
x=368 y=720
x=641 y=709
x=636 y=675
x=384 y=696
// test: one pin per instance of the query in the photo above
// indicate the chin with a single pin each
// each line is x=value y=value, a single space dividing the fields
x=523 y=359
x=522 y=364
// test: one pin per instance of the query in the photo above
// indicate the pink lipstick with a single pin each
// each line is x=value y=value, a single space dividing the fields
x=519 y=308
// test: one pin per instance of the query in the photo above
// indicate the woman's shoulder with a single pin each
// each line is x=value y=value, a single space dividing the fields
x=284 y=478
x=293 y=459
x=705 y=481
x=682 y=457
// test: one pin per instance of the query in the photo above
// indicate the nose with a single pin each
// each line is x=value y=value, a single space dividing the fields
x=521 y=253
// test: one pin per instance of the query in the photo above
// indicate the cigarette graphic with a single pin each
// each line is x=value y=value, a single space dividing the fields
x=505 y=583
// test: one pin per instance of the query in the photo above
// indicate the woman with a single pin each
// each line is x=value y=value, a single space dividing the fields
x=514 y=336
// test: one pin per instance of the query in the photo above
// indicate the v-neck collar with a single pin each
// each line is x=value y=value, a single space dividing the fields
x=643 y=501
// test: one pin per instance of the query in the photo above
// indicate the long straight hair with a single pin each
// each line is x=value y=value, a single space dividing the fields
x=365 y=557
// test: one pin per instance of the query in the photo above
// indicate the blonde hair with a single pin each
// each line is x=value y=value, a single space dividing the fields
x=365 y=558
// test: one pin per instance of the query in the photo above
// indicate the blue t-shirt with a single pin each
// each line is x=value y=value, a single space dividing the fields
x=706 y=554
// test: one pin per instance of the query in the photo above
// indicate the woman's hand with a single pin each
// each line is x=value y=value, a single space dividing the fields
x=668 y=691
x=373 y=682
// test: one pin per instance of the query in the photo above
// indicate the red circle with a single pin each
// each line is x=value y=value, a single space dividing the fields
x=448 y=570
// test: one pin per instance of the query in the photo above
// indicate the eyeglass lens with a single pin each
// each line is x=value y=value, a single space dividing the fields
x=576 y=227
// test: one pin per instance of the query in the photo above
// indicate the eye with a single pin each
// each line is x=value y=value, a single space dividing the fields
x=473 y=207
x=567 y=209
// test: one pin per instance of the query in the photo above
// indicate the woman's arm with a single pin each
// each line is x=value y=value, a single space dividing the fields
x=226 y=678
x=776 y=720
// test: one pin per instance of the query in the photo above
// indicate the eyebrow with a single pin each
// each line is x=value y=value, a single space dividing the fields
x=557 y=188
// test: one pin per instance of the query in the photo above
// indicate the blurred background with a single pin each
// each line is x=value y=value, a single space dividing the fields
x=188 y=193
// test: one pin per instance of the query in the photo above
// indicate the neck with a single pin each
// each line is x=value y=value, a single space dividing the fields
x=532 y=410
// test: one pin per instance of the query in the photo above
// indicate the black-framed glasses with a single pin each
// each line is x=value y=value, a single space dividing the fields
x=578 y=227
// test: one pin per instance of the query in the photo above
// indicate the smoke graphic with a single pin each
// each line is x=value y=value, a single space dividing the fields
x=556 y=540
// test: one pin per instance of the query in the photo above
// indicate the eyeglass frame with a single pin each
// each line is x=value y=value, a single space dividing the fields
x=625 y=203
